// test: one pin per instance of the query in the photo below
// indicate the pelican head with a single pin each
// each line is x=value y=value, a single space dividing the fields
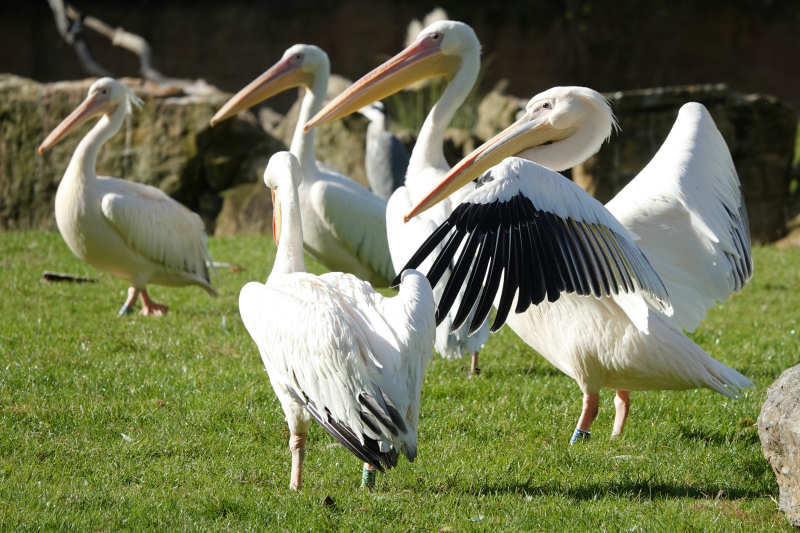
x=298 y=67
x=105 y=96
x=437 y=51
x=560 y=128
x=283 y=170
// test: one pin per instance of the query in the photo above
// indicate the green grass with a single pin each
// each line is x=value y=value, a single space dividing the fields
x=205 y=443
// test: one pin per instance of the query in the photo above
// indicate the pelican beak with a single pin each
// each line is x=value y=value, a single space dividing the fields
x=525 y=133
x=281 y=76
x=276 y=218
x=94 y=105
x=422 y=59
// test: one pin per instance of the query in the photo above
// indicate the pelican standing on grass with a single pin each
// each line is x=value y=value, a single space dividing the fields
x=128 y=229
x=601 y=292
x=445 y=48
x=336 y=350
x=344 y=224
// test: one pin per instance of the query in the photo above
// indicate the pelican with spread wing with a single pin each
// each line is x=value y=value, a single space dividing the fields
x=602 y=292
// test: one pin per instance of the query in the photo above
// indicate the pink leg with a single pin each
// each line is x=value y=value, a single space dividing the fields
x=149 y=307
x=622 y=402
x=127 y=307
x=297 y=445
x=473 y=369
x=588 y=414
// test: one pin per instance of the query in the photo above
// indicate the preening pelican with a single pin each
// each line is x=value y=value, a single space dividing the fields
x=445 y=48
x=620 y=281
x=386 y=158
x=131 y=230
x=336 y=350
x=344 y=224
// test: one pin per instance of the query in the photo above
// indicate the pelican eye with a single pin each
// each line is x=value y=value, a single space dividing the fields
x=436 y=36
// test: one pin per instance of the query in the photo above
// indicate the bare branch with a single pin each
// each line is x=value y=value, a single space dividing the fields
x=71 y=33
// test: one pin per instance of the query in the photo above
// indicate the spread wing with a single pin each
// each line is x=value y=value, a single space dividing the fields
x=528 y=234
x=157 y=227
x=687 y=212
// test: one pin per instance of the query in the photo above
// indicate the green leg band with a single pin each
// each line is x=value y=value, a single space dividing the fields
x=368 y=478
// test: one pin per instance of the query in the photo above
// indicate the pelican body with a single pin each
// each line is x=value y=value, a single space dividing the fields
x=602 y=292
x=336 y=350
x=444 y=48
x=130 y=230
x=344 y=224
x=386 y=158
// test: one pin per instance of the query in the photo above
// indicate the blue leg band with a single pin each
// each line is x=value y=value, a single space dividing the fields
x=579 y=435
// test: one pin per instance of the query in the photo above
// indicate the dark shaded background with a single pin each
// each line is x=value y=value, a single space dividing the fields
x=749 y=44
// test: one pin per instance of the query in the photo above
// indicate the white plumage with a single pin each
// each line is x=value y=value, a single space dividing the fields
x=344 y=224
x=131 y=230
x=685 y=211
x=444 y=48
x=334 y=348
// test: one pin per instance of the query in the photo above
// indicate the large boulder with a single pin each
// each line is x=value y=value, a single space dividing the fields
x=779 y=431
x=168 y=143
x=760 y=132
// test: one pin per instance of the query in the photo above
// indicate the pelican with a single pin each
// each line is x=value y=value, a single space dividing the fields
x=334 y=349
x=444 y=48
x=343 y=223
x=131 y=230
x=386 y=157
x=602 y=292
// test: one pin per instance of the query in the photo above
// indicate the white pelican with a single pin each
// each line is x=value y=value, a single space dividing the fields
x=131 y=230
x=445 y=48
x=606 y=321
x=386 y=158
x=336 y=350
x=344 y=224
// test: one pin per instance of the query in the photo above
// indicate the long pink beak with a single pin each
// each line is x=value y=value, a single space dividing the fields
x=90 y=107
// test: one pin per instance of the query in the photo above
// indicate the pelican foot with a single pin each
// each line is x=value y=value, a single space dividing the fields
x=125 y=310
x=580 y=436
x=368 y=477
x=154 y=309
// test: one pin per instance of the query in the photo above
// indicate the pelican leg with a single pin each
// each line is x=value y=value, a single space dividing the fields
x=127 y=307
x=622 y=403
x=588 y=414
x=473 y=369
x=149 y=307
x=297 y=445
x=368 y=476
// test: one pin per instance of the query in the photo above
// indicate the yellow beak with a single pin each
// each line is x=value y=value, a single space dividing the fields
x=525 y=133
x=422 y=59
x=281 y=76
x=92 y=106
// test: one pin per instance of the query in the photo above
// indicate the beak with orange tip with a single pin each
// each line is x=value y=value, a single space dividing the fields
x=95 y=104
x=422 y=59
x=283 y=75
x=525 y=133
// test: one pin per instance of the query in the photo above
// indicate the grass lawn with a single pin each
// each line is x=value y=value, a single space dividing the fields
x=170 y=423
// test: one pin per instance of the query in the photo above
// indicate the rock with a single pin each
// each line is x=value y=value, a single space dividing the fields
x=779 y=431
x=168 y=143
x=246 y=210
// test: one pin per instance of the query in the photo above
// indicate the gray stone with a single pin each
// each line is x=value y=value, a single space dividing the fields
x=779 y=431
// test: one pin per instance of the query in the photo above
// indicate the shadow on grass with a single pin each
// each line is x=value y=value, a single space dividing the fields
x=641 y=489
x=718 y=438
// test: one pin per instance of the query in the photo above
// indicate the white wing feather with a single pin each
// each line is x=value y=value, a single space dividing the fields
x=356 y=217
x=156 y=226
x=687 y=212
